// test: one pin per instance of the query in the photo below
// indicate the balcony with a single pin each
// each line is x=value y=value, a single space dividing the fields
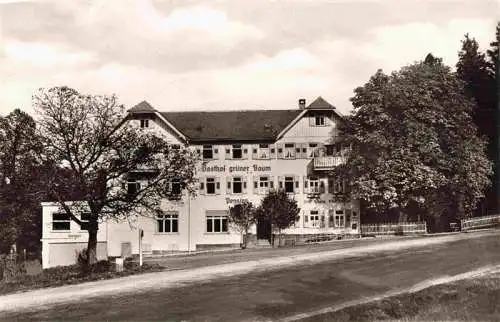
x=328 y=162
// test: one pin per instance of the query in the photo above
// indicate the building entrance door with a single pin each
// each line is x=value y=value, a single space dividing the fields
x=263 y=229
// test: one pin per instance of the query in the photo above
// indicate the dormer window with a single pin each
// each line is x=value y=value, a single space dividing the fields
x=144 y=123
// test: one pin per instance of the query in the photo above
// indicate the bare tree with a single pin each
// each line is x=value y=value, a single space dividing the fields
x=96 y=154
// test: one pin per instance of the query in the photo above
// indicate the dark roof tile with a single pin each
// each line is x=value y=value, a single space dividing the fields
x=258 y=125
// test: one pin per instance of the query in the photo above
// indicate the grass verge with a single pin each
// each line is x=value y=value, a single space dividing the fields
x=475 y=299
x=69 y=275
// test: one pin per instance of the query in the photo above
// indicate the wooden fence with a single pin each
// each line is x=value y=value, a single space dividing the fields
x=480 y=222
x=394 y=228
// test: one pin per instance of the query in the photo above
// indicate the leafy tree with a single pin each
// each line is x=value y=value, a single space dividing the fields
x=414 y=145
x=474 y=69
x=21 y=186
x=242 y=217
x=95 y=152
x=493 y=53
x=279 y=210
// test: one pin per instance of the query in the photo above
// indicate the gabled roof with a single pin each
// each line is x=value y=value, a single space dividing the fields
x=320 y=104
x=257 y=125
x=141 y=108
x=250 y=125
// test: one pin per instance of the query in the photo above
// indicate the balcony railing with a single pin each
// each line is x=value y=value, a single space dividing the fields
x=328 y=162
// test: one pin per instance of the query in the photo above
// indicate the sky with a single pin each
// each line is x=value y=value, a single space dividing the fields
x=225 y=55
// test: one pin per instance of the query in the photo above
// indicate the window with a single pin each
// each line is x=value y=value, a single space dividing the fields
x=313 y=150
x=61 y=221
x=339 y=218
x=211 y=186
x=208 y=152
x=217 y=224
x=168 y=223
x=263 y=152
x=175 y=189
x=144 y=123
x=237 y=185
x=289 y=184
x=132 y=188
x=237 y=151
x=289 y=152
x=317 y=120
x=85 y=218
x=339 y=187
x=312 y=186
x=314 y=219
x=263 y=185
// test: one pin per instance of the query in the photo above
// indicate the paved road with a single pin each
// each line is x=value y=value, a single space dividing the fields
x=316 y=282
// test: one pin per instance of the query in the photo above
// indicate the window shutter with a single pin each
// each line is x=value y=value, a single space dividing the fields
x=244 y=154
x=255 y=151
x=244 y=185
x=272 y=151
x=297 y=179
x=305 y=184
x=215 y=151
x=280 y=182
x=279 y=150
x=217 y=186
x=198 y=150
x=271 y=182
x=228 y=153
x=202 y=186
x=229 y=190
x=255 y=185
x=312 y=120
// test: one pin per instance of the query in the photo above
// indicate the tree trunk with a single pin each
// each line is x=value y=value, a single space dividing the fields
x=244 y=240
x=92 y=243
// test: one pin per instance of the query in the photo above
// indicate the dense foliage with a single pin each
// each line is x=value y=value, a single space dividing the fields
x=415 y=147
x=241 y=217
x=279 y=210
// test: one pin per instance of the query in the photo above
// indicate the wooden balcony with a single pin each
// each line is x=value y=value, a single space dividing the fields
x=328 y=162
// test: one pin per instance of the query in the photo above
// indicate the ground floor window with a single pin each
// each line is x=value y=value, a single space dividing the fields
x=314 y=219
x=168 y=223
x=217 y=224
x=339 y=218
x=61 y=221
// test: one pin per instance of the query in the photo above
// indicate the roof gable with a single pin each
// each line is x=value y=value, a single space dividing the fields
x=142 y=107
x=320 y=104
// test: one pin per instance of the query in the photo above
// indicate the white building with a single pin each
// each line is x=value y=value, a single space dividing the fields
x=244 y=153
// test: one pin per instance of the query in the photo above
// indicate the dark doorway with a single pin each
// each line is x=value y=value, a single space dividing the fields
x=263 y=229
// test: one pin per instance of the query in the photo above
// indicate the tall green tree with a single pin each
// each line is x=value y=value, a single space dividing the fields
x=95 y=154
x=21 y=186
x=414 y=144
x=279 y=210
x=474 y=69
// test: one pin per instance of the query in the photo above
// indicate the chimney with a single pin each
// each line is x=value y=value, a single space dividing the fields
x=302 y=103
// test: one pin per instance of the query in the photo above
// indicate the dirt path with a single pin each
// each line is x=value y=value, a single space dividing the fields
x=170 y=279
